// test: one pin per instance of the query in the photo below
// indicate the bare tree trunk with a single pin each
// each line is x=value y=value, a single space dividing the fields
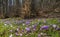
x=1 y=9
x=26 y=8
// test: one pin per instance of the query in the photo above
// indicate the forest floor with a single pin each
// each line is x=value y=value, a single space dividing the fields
x=42 y=27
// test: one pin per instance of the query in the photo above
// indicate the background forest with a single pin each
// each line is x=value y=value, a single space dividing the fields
x=29 y=8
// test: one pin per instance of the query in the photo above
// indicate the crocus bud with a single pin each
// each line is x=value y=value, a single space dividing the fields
x=45 y=27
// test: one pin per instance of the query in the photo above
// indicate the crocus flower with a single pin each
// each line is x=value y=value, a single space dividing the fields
x=44 y=27
x=11 y=30
x=11 y=26
x=18 y=22
x=43 y=34
x=23 y=24
x=58 y=29
x=7 y=22
x=27 y=22
x=34 y=27
x=54 y=26
x=22 y=30
x=39 y=35
x=27 y=29
x=18 y=29
x=11 y=35
x=21 y=34
x=16 y=34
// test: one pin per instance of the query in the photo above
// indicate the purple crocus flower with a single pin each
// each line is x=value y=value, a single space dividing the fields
x=19 y=21
x=27 y=22
x=16 y=34
x=58 y=29
x=39 y=35
x=22 y=30
x=7 y=22
x=34 y=26
x=27 y=29
x=44 y=27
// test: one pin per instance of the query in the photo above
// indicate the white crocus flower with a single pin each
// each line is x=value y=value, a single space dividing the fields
x=54 y=26
x=11 y=26
x=11 y=35
x=41 y=33
x=20 y=34
x=5 y=24
x=23 y=24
